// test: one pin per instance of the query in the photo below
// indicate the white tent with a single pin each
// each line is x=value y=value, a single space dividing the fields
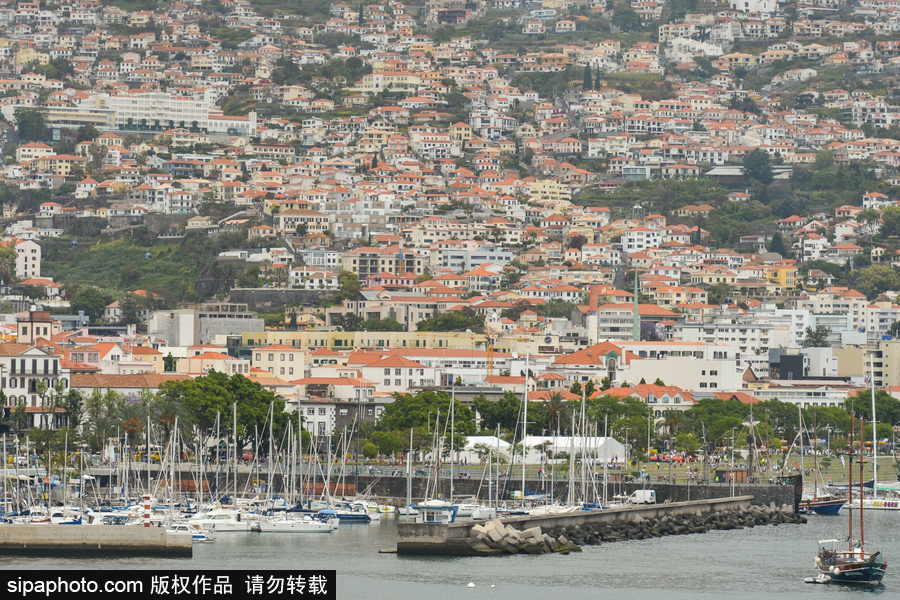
x=471 y=456
x=540 y=448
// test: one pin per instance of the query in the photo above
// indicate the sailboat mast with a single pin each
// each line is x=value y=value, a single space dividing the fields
x=409 y=478
x=525 y=417
x=862 y=537
x=874 y=436
x=800 y=415
x=497 y=488
x=271 y=436
x=583 y=447
x=452 y=431
x=234 y=419
x=850 y=503
x=606 y=455
x=570 y=496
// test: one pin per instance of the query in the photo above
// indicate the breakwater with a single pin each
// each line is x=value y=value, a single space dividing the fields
x=589 y=527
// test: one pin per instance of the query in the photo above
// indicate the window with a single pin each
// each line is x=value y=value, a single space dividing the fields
x=310 y=411
x=321 y=412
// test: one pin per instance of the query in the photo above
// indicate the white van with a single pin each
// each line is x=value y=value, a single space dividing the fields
x=642 y=497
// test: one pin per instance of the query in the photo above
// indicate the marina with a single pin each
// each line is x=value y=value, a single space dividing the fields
x=710 y=566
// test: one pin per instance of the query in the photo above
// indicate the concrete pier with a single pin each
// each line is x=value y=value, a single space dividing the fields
x=84 y=541
x=457 y=539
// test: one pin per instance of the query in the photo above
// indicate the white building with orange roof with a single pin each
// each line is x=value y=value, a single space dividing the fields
x=396 y=374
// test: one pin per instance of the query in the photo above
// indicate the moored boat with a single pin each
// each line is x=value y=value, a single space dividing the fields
x=852 y=565
x=303 y=525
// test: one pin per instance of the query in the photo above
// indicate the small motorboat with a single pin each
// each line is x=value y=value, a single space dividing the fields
x=198 y=535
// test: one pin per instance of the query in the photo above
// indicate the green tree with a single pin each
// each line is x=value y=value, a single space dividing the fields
x=718 y=294
x=887 y=408
x=758 y=167
x=349 y=285
x=412 y=410
x=31 y=125
x=370 y=450
x=890 y=217
x=687 y=442
x=817 y=338
x=8 y=256
x=876 y=280
x=777 y=244
x=90 y=300
x=626 y=18
x=74 y=405
x=588 y=80
x=376 y=324
x=461 y=320
x=18 y=420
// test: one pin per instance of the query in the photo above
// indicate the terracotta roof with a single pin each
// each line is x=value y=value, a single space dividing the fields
x=137 y=380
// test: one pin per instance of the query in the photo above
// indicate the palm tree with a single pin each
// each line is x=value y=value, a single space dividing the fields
x=103 y=427
x=167 y=411
x=671 y=418
x=557 y=409
x=132 y=418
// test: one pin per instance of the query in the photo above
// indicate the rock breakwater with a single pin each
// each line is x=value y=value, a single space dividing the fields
x=495 y=537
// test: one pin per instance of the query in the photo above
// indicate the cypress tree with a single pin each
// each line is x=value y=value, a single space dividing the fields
x=588 y=80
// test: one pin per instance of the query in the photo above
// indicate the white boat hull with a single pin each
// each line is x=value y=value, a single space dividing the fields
x=298 y=526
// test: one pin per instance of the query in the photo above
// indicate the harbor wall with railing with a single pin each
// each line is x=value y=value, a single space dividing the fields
x=389 y=484
x=92 y=541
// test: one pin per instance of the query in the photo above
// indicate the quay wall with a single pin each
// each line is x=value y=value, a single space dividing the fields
x=92 y=540
x=391 y=488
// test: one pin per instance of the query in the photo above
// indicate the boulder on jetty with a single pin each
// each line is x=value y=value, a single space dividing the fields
x=494 y=537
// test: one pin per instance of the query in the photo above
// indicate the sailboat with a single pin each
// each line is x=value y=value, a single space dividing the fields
x=853 y=565
x=891 y=498
x=820 y=502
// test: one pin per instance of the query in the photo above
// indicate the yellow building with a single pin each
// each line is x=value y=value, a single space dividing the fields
x=785 y=276
x=146 y=354
x=549 y=189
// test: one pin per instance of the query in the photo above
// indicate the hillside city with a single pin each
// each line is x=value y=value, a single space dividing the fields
x=679 y=202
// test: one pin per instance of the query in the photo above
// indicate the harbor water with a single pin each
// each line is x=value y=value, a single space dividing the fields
x=762 y=562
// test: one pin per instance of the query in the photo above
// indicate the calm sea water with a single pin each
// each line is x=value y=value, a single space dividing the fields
x=764 y=562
